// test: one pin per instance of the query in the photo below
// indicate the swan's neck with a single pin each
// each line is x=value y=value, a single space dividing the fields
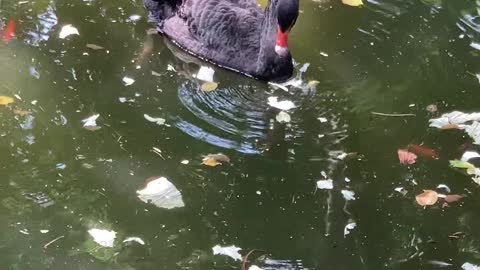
x=268 y=35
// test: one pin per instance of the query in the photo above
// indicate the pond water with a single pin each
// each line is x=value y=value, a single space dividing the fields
x=60 y=181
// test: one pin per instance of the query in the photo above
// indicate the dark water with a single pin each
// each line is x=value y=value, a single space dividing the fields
x=60 y=180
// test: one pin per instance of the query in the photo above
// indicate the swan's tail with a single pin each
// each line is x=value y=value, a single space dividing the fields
x=160 y=10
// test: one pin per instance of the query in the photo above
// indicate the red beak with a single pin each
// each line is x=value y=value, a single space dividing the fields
x=281 y=44
x=9 y=31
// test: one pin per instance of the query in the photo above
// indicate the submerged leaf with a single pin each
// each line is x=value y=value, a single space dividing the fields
x=405 y=157
x=209 y=86
x=428 y=197
x=162 y=193
x=4 y=100
x=423 y=151
x=21 y=112
x=353 y=3
x=94 y=47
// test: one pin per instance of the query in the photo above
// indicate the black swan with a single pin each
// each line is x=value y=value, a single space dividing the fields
x=234 y=34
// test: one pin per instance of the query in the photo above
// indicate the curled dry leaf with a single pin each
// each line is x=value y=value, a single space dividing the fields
x=213 y=160
x=94 y=47
x=423 y=151
x=428 y=197
x=405 y=157
x=4 y=100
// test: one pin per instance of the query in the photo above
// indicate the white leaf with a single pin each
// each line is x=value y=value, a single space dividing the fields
x=91 y=121
x=134 y=239
x=283 y=105
x=161 y=193
x=103 y=237
x=348 y=195
x=322 y=119
x=473 y=131
x=68 y=30
x=283 y=117
x=401 y=190
x=205 y=74
x=134 y=18
x=325 y=184
x=455 y=118
x=348 y=228
x=128 y=81
x=159 y=121
x=231 y=251
x=469 y=266
x=185 y=162
x=469 y=155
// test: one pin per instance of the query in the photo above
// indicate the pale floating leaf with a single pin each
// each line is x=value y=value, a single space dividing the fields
x=134 y=18
x=473 y=131
x=254 y=267
x=44 y=231
x=90 y=123
x=205 y=74
x=4 y=100
x=348 y=195
x=185 y=162
x=283 y=117
x=312 y=84
x=322 y=119
x=104 y=238
x=283 y=105
x=469 y=266
x=457 y=118
x=209 y=86
x=161 y=193
x=427 y=198
x=401 y=190
x=128 y=81
x=94 y=47
x=68 y=30
x=325 y=184
x=432 y=108
x=353 y=3
x=230 y=251
x=134 y=239
x=157 y=120
x=21 y=112
x=348 y=228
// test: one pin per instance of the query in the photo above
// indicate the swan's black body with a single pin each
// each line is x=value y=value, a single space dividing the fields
x=235 y=34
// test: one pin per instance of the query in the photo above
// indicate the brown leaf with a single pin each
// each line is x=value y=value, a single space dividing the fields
x=453 y=198
x=428 y=197
x=405 y=157
x=213 y=160
x=450 y=126
x=21 y=112
x=92 y=128
x=422 y=151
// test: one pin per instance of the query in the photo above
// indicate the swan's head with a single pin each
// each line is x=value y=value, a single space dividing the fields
x=287 y=13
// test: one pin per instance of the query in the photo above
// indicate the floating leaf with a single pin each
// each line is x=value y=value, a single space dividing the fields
x=68 y=30
x=231 y=251
x=103 y=237
x=325 y=184
x=127 y=81
x=405 y=157
x=4 y=100
x=450 y=126
x=283 y=117
x=353 y=3
x=162 y=193
x=428 y=197
x=95 y=47
x=312 y=84
x=213 y=160
x=461 y=164
x=453 y=198
x=348 y=195
x=432 y=108
x=21 y=112
x=349 y=227
x=283 y=105
x=90 y=123
x=157 y=120
x=209 y=86
x=422 y=151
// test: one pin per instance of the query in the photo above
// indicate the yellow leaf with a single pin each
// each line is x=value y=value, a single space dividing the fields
x=312 y=84
x=5 y=100
x=353 y=3
x=209 y=86
x=210 y=162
